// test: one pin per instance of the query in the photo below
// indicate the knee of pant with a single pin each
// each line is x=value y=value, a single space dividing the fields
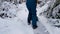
x=33 y=10
x=33 y=14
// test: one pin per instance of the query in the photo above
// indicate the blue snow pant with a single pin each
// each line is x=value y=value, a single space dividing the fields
x=32 y=13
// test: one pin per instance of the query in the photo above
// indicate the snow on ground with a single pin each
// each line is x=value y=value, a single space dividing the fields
x=18 y=24
x=43 y=20
x=23 y=14
x=14 y=26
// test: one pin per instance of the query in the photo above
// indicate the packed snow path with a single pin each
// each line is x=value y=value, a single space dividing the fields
x=23 y=14
x=43 y=20
x=18 y=25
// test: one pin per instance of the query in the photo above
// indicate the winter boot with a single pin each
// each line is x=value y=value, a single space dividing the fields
x=29 y=20
x=34 y=26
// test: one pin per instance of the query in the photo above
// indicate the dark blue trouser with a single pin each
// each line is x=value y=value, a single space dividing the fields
x=32 y=13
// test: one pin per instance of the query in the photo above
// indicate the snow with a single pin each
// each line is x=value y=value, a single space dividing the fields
x=8 y=26
x=15 y=25
x=51 y=29
x=18 y=24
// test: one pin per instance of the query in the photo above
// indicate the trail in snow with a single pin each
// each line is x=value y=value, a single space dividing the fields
x=18 y=25
x=44 y=21
x=14 y=26
x=41 y=27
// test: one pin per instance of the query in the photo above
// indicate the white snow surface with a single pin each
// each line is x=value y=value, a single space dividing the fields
x=18 y=24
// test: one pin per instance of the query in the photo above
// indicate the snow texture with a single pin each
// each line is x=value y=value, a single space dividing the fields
x=17 y=24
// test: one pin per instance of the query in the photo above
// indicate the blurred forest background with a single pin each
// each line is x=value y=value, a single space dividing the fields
x=52 y=9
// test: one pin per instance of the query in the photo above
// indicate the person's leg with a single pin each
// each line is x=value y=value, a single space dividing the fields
x=29 y=15
x=34 y=20
x=29 y=18
x=34 y=17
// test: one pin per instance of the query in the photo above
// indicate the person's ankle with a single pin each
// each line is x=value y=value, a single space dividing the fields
x=34 y=26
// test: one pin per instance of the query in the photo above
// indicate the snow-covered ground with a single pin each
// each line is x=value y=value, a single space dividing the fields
x=18 y=24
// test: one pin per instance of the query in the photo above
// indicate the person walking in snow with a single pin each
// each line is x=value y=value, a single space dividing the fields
x=31 y=6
